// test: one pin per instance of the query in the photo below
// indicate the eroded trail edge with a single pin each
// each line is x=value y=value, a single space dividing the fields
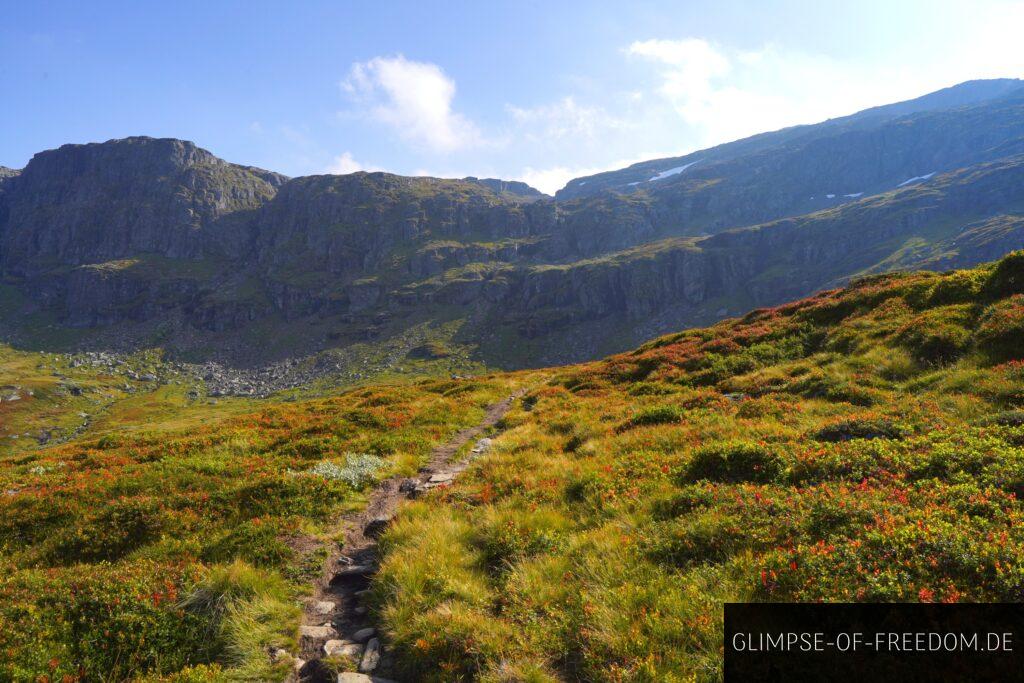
x=336 y=622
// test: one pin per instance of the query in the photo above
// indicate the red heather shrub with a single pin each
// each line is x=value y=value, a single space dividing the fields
x=1008 y=277
x=721 y=345
x=937 y=336
x=733 y=461
x=1001 y=330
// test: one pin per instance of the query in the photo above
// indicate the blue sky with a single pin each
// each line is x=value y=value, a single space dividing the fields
x=540 y=91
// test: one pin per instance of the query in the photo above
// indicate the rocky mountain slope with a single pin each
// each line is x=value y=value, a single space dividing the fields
x=140 y=242
x=85 y=204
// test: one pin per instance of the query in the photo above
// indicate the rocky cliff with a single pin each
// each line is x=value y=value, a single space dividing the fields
x=347 y=226
x=143 y=241
x=958 y=218
x=92 y=203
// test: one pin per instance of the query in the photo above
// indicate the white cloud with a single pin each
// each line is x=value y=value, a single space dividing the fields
x=414 y=98
x=550 y=180
x=564 y=118
x=726 y=94
x=991 y=46
x=673 y=96
x=346 y=163
x=694 y=64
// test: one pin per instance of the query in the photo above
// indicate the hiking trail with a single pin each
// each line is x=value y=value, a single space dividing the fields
x=335 y=620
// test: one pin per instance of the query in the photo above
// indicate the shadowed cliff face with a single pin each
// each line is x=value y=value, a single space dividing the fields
x=348 y=225
x=90 y=203
x=7 y=176
x=137 y=240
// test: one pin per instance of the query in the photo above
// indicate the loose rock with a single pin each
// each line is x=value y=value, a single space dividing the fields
x=323 y=607
x=353 y=677
x=354 y=570
x=376 y=526
x=364 y=634
x=318 y=632
x=371 y=657
x=343 y=647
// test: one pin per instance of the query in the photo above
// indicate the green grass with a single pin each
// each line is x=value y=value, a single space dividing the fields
x=865 y=444
x=248 y=611
x=828 y=449
x=157 y=267
x=191 y=529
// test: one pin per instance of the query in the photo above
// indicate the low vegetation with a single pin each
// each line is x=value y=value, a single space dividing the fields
x=175 y=542
x=865 y=444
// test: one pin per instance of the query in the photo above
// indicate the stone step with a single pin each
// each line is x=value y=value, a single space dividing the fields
x=371 y=656
x=317 y=632
x=343 y=647
x=354 y=570
x=323 y=607
x=376 y=526
x=353 y=677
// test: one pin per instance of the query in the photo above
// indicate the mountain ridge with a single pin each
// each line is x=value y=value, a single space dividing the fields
x=963 y=94
x=143 y=241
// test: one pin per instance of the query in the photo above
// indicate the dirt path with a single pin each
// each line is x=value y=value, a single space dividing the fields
x=335 y=616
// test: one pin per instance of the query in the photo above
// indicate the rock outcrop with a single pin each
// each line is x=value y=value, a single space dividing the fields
x=82 y=204
x=162 y=239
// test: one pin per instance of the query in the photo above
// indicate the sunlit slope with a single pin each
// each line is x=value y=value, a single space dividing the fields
x=174 y=537
x=865 y=444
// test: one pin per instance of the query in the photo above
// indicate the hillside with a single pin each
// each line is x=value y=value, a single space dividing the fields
x=865 y=444
x=862 y=444
x=175 y=531
x=141 y=244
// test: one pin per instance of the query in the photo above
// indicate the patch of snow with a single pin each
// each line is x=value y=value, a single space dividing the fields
x=672 y=171
x=916 y=178
x=636 y=183
x=582 y=182
x=854 y=195
x=830 y=196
